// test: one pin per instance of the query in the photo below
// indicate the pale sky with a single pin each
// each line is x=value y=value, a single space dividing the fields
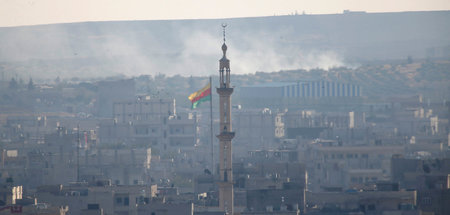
x=33 y=12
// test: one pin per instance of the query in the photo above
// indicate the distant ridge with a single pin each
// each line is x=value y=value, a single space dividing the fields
x=189 y=47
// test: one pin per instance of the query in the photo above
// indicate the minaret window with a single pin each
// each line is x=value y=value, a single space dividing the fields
x=225 y=157
x=225 y=119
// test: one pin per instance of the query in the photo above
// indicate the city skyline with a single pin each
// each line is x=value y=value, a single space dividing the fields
x=330 y=114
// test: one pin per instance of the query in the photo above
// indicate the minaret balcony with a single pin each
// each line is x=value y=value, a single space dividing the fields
x=225 y=91
x=226 y=136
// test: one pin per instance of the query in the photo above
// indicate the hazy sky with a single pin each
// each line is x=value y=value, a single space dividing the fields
x=32 y=12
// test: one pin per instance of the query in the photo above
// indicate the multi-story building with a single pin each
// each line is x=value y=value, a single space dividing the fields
x=256 y=129
x=431 y=179
x=111 y=198
x=370 y=202
x=143 y=108
x=149 y=122
x=302 y=89
x=333 y=165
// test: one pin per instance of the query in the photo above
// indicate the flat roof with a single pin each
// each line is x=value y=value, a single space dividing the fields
x=273 y=84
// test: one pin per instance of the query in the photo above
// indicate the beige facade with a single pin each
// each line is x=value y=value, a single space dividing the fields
x=114 y=200
x=374 y=202
x=256 y=129
x=346 y=166
x=149 y=122
x=143 y=109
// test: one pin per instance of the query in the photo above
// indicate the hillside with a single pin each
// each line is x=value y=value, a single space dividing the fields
x=192 y=47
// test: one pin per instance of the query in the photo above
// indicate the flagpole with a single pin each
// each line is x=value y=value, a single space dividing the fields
x=211 y=129
x=78 y=152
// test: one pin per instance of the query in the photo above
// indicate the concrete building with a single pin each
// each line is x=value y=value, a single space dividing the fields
x=58 y=161
x=300 y=93
x=256 y=129
x=101 y=197
x=276 y=200
x=9 y=194
x=149 y=122
x=142 y=109
x=431 y=179
x=332 y=165
x=410 y=172
x=373 y=202
x=302 y=89
x=155 y=208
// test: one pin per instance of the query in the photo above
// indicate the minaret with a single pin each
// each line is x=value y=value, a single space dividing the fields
x=226 y=169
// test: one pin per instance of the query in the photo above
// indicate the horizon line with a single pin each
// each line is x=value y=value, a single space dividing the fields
x=345 y=12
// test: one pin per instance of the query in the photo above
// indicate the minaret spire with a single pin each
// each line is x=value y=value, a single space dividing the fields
x=224 y=66
x=224 y=25
x=224 y=46
x=224 y=90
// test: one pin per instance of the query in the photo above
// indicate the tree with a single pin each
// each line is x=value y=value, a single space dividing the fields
x=13 y=84
x=409 y=59
x=30 y=84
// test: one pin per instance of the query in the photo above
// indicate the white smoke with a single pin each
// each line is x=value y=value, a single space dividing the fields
x=86 y=50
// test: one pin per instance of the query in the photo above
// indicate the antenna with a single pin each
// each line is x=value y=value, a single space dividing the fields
x=224 y=25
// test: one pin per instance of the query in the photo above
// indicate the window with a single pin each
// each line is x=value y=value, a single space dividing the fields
x=119 y=200
x=126 y=201
x=362 y=208
x=141 y=130
x=371 y=207
x=426 y=201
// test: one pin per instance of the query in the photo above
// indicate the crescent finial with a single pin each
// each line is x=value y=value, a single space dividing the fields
x=224 y=25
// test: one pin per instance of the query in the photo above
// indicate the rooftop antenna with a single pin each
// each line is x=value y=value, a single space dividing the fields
x=224 y=25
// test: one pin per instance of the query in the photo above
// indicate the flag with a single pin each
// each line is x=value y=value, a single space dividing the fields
x=200 y=96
